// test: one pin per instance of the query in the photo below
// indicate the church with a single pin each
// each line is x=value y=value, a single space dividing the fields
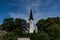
x=31 y=25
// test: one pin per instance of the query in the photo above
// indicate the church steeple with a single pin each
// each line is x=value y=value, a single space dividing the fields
x=31 y=27
x=31 y=15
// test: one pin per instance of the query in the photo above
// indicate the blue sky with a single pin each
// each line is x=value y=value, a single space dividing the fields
x=21 y=9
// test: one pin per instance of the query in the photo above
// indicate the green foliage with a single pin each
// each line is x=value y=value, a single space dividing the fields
x=48 y=29
x=19 y=33
x=9 y=36
x=51 y=26
x=18 y=26
x=54 y=32
x=9 y=24
x=39 y=36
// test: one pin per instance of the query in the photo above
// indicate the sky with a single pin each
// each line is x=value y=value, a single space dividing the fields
x=21 y=9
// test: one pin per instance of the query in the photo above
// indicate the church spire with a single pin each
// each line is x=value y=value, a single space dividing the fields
x=31 y=16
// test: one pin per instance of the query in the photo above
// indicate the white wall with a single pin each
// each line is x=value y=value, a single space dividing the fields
x=31 y=29
x=23 y=38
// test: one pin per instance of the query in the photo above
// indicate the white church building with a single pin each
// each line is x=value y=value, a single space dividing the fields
x=31 y=25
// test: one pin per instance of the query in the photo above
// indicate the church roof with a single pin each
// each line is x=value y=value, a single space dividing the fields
x=31 y=15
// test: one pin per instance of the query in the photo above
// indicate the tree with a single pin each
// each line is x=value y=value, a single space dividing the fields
x=42 y=24
x=18 y=26
x=9 y=24
x=9 y=36
x=54 y=32
x=45 y=23
x=51 y=26
x=21 y=26
x=39 y=36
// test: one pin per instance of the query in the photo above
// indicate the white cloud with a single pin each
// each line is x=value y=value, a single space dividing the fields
x=14 y=15
x=35 y=7
x=18 y=15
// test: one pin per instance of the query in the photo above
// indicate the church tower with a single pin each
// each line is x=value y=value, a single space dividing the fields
x=31 y=25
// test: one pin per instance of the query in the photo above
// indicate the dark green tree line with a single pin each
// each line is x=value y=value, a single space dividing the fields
x=51 y=26
x=16 y=25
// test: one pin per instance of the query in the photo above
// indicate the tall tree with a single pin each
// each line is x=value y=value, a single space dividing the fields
x=9 y=24
x=51 y=26
x=21 y=26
